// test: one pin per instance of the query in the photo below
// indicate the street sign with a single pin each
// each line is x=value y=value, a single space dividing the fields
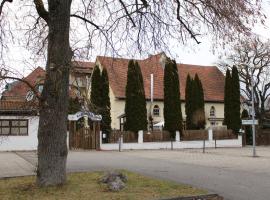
x=249 y=122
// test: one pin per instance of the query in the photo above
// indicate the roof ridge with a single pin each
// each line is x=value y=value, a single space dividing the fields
x=196 y=65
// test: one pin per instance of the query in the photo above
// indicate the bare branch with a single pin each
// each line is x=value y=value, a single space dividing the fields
x=43 y=13
x=127 y=13
x=2 y=5
x=193 y=35
x=86 y=20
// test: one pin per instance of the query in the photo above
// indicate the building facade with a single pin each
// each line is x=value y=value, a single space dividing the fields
x=212 y=78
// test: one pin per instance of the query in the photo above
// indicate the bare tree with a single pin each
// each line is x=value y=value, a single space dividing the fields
x=114 y=25
x=252 y=58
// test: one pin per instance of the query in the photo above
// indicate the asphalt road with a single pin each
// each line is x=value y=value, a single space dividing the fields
x=231 y=173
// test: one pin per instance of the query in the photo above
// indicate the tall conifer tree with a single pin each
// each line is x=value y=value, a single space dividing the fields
x=195 y=114
x=105 y=102
x=188 y=103
x=135 y=107
x=199 y=113
x=95 y=89
x=235 y=123
x=227 y=99
x=172 y=101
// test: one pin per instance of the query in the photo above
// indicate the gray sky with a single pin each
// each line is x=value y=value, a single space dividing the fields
x=201 y=54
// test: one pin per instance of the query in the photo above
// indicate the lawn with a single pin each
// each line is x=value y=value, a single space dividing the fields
x=84 y=186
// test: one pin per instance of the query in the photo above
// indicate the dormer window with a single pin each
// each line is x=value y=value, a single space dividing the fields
x=156 y=110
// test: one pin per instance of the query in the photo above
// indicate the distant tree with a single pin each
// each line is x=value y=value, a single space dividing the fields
x=96 y=89
x=227 y=99
x=235 y=122
x=252 y=59
x=172 y=101
x=105 y=103
x=135 y=107
x=248 y=130
x=188 y=103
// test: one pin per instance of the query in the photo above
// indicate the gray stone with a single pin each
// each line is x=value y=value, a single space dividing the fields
x=116 y=185
x=112 y=176
x=115 y=180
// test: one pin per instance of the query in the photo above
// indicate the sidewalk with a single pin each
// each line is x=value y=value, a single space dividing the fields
x=13 y=165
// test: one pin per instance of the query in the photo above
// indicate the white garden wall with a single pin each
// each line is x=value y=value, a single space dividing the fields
x=21 y=143
x=210 y=143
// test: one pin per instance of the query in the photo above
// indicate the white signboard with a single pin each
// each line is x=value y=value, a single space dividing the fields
x=79 y=115
x=249 y=122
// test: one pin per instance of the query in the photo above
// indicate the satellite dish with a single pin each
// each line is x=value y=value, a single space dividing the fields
x=29 y=95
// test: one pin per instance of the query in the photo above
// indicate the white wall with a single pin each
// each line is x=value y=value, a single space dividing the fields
x=21 y=143
x=210 y=143
x=118 y=108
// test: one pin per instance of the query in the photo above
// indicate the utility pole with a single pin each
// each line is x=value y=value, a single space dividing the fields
x=253 y=117
x=251 y=70
x=151 y=100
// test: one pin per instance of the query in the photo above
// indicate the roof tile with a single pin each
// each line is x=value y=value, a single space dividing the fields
x=212 y=78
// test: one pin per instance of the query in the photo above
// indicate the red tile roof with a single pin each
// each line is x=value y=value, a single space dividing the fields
x=19 y=90
x=17 y=106
x=212 y=78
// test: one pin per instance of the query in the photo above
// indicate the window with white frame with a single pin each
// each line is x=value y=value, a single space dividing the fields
x=13 y=127
x=212 y=112
x=156 y=110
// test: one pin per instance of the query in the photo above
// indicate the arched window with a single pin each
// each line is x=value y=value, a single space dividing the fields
x=156 y=110
x=212 y=112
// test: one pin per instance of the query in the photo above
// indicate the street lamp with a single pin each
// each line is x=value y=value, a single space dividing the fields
x=252 y=107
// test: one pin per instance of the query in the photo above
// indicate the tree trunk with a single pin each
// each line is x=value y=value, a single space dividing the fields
x=52 y=132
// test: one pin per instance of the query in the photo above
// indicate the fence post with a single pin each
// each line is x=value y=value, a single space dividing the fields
x=210 y=134
x=140 y=137
x=120 y=141
x=100 y=137
x=177 y=136
x=203 y=146
x=240 y=139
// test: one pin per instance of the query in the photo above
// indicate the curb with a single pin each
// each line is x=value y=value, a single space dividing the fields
x=200 y=197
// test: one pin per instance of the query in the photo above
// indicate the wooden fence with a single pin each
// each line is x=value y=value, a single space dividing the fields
x=188 y=135
x=84 y=138
x=224 y=134
x=128 y=137
x=263 y=136
x=156 y=136
x=164 y=136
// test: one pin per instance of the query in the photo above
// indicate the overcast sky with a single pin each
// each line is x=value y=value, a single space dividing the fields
x=201 y=54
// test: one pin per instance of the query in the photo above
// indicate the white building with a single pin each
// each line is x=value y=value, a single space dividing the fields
x=212 y=79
